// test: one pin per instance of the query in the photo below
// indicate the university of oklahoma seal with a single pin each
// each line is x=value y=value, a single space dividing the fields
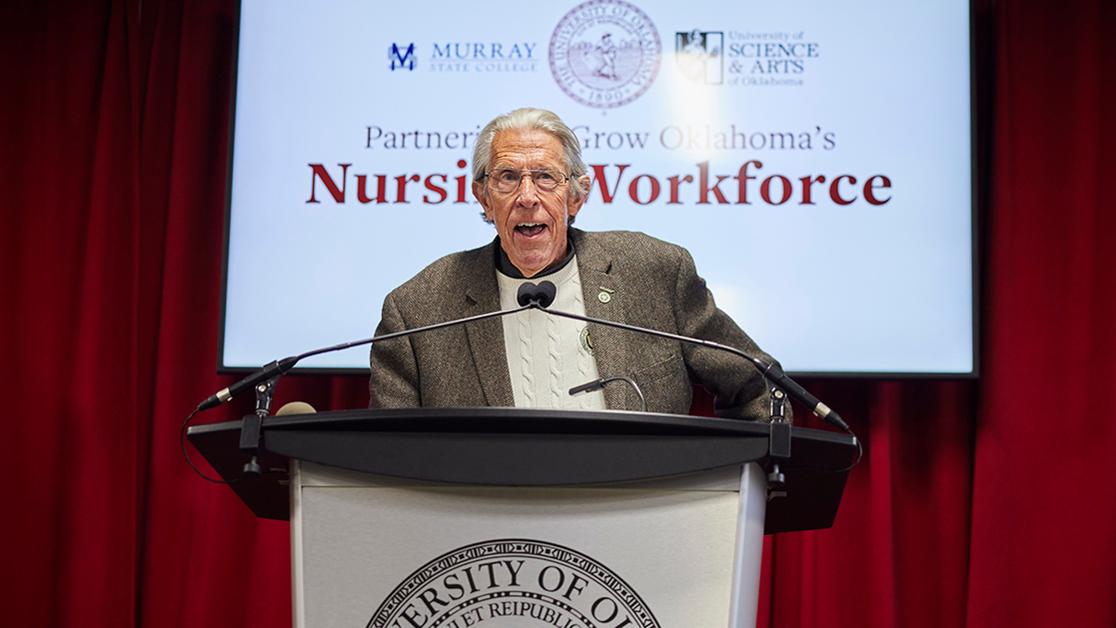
x=605 y=53
x=513 y=583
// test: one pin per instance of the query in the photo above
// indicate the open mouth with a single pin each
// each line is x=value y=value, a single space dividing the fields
x=530 y=229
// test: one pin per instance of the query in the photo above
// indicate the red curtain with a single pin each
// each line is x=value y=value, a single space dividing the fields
x=979 y=503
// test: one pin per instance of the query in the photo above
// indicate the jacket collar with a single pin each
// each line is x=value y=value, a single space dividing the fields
x=486 y=338
x=604 y=299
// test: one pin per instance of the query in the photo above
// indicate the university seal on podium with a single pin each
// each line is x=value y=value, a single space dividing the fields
x=513 y=583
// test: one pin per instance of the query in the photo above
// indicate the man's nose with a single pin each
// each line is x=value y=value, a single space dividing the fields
x=527 y=193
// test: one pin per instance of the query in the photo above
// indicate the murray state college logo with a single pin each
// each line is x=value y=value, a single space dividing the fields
x=605 y=53
x=513 y=583
x=401 y=56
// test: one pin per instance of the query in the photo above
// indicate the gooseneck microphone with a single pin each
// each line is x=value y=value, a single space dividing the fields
x=271 y=370
x=772 y=371
x=529 y=296
x=600 y=383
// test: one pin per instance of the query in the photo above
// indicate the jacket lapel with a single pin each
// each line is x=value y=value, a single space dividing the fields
x=605 y=300
x=486 y=338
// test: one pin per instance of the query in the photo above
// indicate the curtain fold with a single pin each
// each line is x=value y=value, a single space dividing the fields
x=978 y=503
x=1044 y=509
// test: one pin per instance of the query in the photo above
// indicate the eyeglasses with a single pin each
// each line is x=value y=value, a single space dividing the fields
x=507 y=180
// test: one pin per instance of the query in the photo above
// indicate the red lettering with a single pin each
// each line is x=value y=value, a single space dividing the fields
x=675 y=182
x=765 y=189
x=318 y=171
x=641 y=189
x=460 y=184
x=835 y=191
x=870 y=189
x=362 y=195
x=633 y=189
x=742 y=177
x=401 y=187
x=704 y=188
x=807 y=184
x=598 y=176
x=439 y=190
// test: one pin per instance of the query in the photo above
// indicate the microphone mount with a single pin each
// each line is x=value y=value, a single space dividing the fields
x=251 y=426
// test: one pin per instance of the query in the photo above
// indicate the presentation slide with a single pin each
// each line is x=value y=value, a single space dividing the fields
x=813 y=156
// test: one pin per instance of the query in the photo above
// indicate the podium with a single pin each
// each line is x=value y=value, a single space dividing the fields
x=506 y=517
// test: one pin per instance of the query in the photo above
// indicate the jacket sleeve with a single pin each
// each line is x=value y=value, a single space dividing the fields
x=739 y=388
x=393 y=382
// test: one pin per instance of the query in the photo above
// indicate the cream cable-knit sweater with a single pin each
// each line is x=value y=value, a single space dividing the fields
x=547 y=355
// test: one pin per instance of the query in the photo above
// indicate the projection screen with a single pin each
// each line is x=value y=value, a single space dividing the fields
x=814 y=157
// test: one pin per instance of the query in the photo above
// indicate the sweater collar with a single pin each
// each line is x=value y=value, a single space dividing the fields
x=505 y=266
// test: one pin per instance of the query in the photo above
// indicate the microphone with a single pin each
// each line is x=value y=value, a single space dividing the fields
x=536 y=297
x=598 y=384
x=272 y=369
x=772 y=371
x=541 y=295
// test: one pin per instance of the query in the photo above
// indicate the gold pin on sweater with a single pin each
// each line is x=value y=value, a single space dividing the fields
x=605 y=295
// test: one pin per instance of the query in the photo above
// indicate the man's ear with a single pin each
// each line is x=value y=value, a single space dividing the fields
x=575 y=206
x=482 y=198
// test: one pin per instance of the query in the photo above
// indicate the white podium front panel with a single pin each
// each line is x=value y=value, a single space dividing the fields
x=372 y=551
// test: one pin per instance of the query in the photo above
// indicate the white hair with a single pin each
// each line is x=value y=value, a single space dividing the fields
x=543 y=120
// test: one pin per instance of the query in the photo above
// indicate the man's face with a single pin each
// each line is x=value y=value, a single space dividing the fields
x=530 y=221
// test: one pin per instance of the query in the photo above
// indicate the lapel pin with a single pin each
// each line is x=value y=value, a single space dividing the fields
x=605 y=295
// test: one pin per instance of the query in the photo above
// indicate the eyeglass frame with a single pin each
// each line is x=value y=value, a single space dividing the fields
x=532 y=172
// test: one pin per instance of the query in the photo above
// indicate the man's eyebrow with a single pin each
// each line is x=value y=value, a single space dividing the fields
x=500 y=166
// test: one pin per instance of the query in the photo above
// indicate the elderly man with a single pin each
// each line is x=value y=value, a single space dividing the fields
x=531 y=181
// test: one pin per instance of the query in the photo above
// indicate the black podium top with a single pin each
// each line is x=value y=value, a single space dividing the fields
x=527 y=447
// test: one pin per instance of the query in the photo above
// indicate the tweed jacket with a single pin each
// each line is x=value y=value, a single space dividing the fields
x=650 y=283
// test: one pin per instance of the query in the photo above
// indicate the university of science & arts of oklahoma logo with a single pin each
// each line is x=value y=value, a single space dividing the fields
x=605 y=53
x=513 y=583
x=700 y=55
